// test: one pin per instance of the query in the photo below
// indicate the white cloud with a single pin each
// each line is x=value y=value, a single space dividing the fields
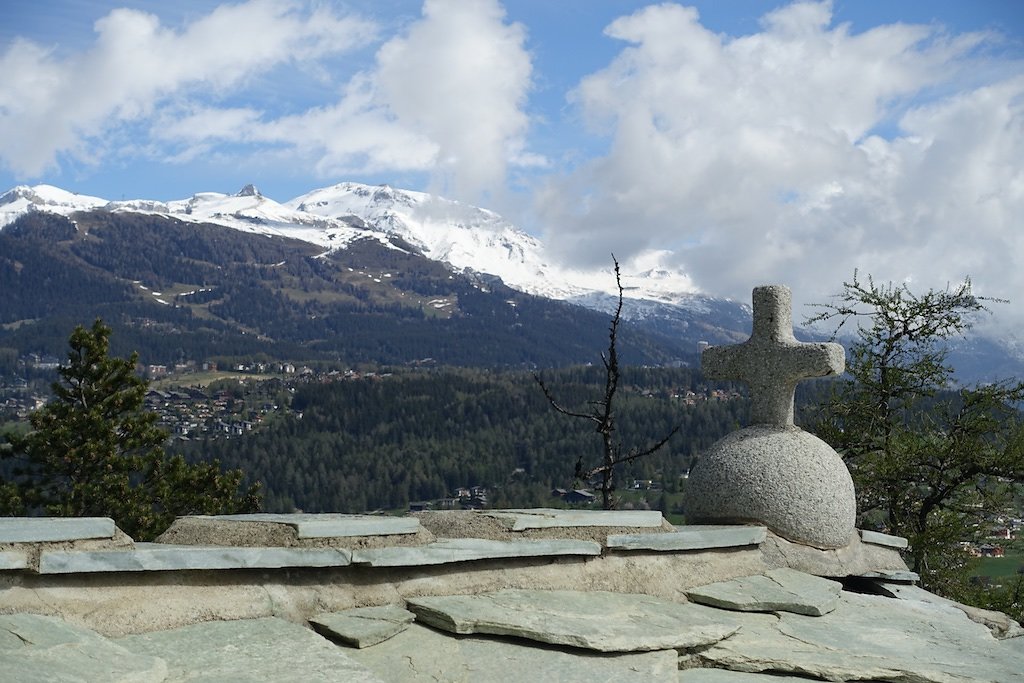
x=461 y=77
x=52 y=106
x=799 y=153
x=446 y=97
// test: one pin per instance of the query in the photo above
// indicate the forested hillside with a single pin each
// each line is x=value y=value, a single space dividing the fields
x=177 y=291
x=385 y=441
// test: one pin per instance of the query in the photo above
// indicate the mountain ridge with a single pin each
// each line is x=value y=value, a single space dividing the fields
x=471 y=242
x=464 y=236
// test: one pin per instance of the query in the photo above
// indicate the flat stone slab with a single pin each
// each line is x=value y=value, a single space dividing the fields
x=466 y=549
x=727 y=676
x=550 y=518
x=13 y=559
x=164 y=557
x=869 y=637
x=49 y=529
x=894 y=575
x=878 y=538
x=40 y=649
x=696 y=537
x=423 y=655
x=1000 y=624
x=268 y=649
x=595 y=620
x=779 y=590
x=330 y=525
x=363 y=626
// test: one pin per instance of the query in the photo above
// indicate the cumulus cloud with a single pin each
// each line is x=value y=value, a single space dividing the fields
x=461 y=77
x=52 y=106
x=799 y=153
x=445 y=97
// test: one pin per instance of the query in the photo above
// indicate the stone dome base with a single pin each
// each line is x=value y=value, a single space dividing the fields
x=782 y=477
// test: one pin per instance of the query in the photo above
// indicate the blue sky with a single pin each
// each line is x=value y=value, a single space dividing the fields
x=742 y=141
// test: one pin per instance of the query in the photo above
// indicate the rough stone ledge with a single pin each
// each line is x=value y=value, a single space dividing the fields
x=160 y=557
x=878 y=538
x=547 y=518
x=327 y=525
x=892 y=575
x=695 y=537
x=50 y=529
x=465 y=549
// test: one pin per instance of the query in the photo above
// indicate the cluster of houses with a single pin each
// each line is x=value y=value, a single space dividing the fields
x=189 y=412
x=465 y=498
x=1004 y=529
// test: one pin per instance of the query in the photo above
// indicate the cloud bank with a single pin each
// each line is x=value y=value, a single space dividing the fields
x=445 y=96
x=800 y=153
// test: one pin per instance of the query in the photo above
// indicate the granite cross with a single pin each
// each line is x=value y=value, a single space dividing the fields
x=772 y=361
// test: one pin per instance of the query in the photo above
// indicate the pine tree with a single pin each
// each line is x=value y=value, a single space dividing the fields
x=95 y=451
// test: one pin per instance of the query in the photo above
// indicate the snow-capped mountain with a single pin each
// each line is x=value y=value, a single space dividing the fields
x=465 y=237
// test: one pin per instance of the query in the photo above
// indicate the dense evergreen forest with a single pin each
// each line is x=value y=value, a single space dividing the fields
x=384 y=441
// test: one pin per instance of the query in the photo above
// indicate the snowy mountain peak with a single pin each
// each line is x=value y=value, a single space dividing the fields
x=466 y=237
x=23 y=199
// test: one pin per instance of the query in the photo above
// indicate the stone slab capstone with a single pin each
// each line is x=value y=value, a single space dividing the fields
x=467 y=549
x=13 y=560
x=163 y=557
x=778 y=590
x=363 y=626
x=550 y=518
x=330 y=525
x=52 y=529
x=878 y=538
x=593 y=620
x=694 y=537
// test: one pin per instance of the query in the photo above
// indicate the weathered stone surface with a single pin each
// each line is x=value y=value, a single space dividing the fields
x=363 y=626
x=547 y=518
x=466 y=549
x=694 y=537
x=894 y=575
x=422 y=655
x=878 y=538
x=772 y=361
x=13 y=559
x=260 y=649
x=870 y=637
x=331 y=525
x=784 y=590
x=41 y=649
x=44 y=529
x=773 y=472
x=783 y=477
x=606 y=622
x=851 y=560
x=163 y=557
x=998 y=623
x=726 y=676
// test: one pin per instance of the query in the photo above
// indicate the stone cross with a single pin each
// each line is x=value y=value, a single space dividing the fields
x=772 y=361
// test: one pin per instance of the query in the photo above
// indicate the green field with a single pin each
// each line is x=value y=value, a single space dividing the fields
x=1000 y=566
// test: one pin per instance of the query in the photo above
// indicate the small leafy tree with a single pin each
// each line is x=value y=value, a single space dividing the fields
x=930 y=460
x=95 y=450
x=602 y=415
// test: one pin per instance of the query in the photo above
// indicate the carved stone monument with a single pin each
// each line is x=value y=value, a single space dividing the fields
x=773 y=472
